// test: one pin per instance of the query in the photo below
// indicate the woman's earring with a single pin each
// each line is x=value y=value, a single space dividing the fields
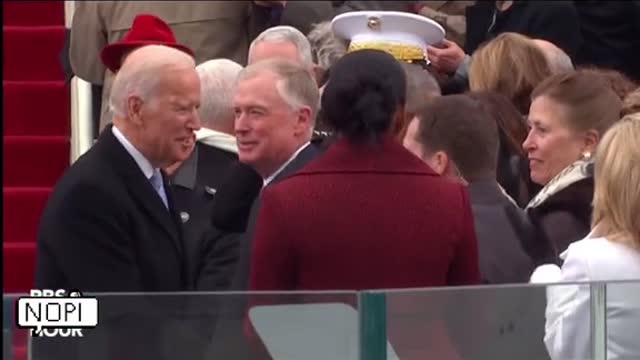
x=586 y=156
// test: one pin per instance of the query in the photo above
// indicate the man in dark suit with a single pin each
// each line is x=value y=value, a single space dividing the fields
x=459 y=139
x=196 y=181
x=276 y=102
x=110 y=224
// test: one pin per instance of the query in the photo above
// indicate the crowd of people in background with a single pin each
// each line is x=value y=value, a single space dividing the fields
x=246 y=146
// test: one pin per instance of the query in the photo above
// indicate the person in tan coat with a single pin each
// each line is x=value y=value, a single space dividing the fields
x=213 y=29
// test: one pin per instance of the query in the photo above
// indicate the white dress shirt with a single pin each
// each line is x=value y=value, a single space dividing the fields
x=568 y=313
x=143 y=163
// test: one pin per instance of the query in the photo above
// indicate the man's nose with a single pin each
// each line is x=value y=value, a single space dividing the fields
x=240 y=124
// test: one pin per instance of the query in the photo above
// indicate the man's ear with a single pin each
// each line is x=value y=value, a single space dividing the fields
x=304 y=122
x=443 y=160
x=439 y=162
x=135 y=109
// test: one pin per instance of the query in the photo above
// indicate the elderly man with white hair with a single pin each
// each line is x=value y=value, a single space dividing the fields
x=113 y=205
x=284 y=42
x=558 y=60
x=207 y=185
x=110 y=224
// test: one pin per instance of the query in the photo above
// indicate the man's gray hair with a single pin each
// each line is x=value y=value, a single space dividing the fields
x=217 y=81
x=326 y=48
x=421 y=86
x=296 y=86
x=288 y=34
x=141 y=73
x=558 y=60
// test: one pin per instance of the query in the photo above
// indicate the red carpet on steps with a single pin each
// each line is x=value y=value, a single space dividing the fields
x=36 y=117
x=31 y=53
x=26 y=205
x=36 y=123
x=34 y=160
x=32 y=13
x=29 y=119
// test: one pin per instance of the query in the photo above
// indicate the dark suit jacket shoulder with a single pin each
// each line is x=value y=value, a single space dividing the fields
x=503 y=258
x=554 y=21
x=241 y=274
x=195 y=185
x=105 y=228
x=212 y=164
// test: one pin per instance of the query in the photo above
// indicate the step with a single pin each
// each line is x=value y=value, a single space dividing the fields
x=34 y=161
x=32 y=13
x=32 y=53
x=18 y=267
x=22 y=208
x=50 y=117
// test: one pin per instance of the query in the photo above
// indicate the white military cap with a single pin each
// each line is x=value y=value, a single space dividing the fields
x=403 y=35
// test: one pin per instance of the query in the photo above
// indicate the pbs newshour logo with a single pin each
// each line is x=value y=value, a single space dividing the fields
x=51 y=313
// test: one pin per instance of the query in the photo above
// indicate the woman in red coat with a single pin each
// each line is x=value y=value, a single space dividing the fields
x=367 y=214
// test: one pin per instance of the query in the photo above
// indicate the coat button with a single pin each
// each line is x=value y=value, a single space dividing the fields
x=184 y=216
x=209 y=190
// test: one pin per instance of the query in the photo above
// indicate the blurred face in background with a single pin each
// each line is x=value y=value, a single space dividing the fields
x=274 y=49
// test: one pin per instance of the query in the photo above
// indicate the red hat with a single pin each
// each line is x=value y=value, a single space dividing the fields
x=146 y=30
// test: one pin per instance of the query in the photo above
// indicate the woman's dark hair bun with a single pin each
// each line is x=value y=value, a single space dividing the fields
x=365 y=89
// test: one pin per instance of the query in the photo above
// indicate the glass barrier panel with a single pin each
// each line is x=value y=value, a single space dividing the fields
x=475 y=323
x=14 y=340
x=181 y=326
x=623 y=320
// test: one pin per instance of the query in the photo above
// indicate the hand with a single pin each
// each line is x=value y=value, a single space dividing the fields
x=446 y=57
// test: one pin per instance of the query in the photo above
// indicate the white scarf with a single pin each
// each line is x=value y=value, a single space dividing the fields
x=573 y=173
x=217 y=139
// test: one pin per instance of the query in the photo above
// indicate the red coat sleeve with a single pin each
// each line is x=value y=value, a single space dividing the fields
x=271 y=261
x=465 y=269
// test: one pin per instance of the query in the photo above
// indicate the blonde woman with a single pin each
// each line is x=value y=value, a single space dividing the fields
x=610 y=252
x=511 y=65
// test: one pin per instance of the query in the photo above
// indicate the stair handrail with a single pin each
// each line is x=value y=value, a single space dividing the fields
x=81 y=118
x=81 y=104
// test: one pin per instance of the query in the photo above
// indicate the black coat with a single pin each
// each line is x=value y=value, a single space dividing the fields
x=195 y=185
x=610 y=33
x=105 y=229
x=563 y=218
x=554 y=21
x=503 y=259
